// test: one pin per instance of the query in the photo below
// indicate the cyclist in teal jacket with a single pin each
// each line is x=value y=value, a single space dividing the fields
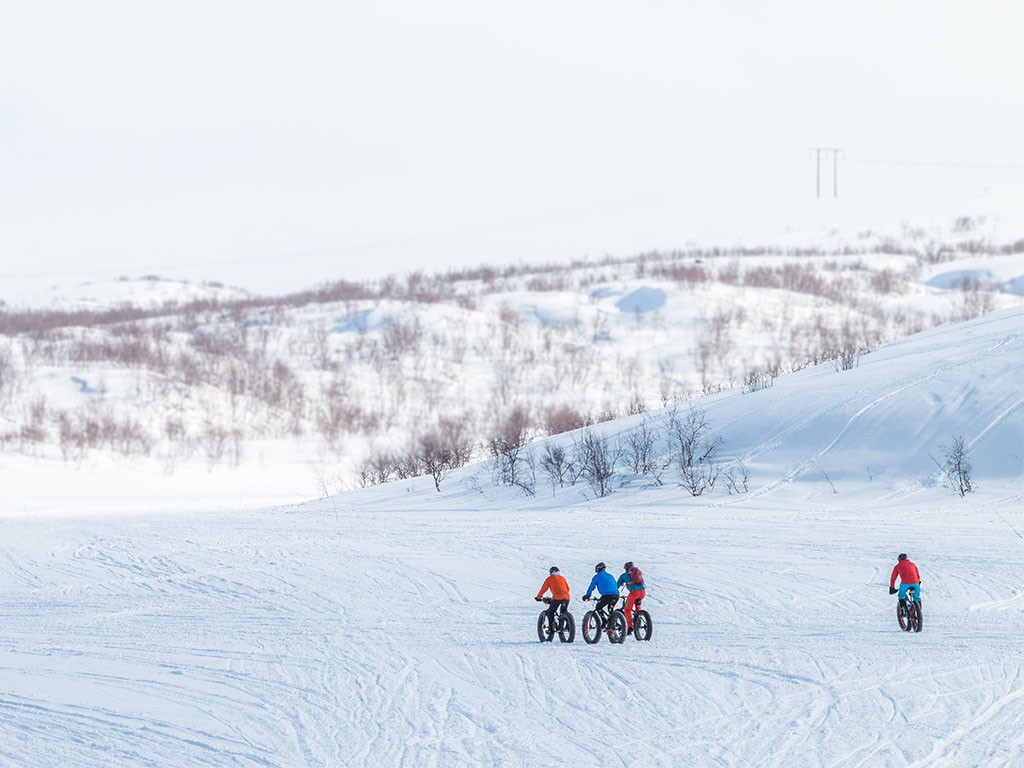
x=637 y=590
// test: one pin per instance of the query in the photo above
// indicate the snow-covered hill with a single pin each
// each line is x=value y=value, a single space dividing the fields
x=395 y=625
x=342 y=386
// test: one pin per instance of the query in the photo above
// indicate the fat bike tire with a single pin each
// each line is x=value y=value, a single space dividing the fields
x=916 y=616
x=903 y=616
x=566 y=627
x=591 y=627
x=642 y=626
x=544 y=630
x=617 y=624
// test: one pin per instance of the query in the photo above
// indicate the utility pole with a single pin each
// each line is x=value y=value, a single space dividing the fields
x=818 y=151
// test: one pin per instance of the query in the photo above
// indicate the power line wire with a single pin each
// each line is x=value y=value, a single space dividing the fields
x=932 y=164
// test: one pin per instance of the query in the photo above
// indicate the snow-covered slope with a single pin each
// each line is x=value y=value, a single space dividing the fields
x=395 y=626
x=198 y=386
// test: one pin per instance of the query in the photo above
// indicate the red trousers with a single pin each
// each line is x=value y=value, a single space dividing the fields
x=635 y=596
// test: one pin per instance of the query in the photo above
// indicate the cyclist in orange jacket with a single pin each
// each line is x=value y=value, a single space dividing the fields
x=559 y=593
x=909 y=577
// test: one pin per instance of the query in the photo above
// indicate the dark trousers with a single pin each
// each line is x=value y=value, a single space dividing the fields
x=606 y=602
x=554 y=606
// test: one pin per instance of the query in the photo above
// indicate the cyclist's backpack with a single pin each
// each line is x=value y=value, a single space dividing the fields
x=636 y=575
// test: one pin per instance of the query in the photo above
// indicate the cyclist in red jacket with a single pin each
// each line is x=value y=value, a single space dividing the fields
x=909 y=577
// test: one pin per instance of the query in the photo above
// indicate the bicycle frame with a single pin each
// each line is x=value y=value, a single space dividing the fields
x=909 y=612
x=606 y=611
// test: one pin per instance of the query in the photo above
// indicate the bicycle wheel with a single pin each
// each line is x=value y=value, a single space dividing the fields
x=566 y=628
x=591 y=627
x=642 y=625
x=544 y=630
x=617 y=628
x=916 y=617
x=902 y=616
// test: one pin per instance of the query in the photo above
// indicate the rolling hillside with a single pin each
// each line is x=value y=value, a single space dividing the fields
x=395 y=625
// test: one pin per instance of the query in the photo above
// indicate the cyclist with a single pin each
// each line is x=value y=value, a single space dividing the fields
x=633 y=579
x=559 y=593
x=604 y=582
x=909 y=577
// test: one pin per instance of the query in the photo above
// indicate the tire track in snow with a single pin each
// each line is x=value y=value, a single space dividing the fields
x=775 y=441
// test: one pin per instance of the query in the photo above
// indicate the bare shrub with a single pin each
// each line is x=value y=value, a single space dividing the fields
x=320 y=348
x=559 y=466
x=435 y=452
x=737 y=478
x=955 y=466
x=8 y=375
x=401 y=338
x=759 y=378
x=885 y=282
x=377 y=469
x=847 y=360
x=436 y=457
x=694 y=450
x=78 y=433
x=971 y=300
x=596 y=460
x=215 y=443
x=681 y=273
x=563 y=418
x=638 y=448
x=454 y=432
x=714 y=339
x=130 y=438
x=336 y=414
x=507 y=446
x=729 y=274
x=549 y=283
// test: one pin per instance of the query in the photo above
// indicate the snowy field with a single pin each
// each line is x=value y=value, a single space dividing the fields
x=395 y=626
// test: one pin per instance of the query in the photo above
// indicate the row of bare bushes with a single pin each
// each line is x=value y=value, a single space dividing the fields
x=214 y=374
x=463 y=287
x=684 y=445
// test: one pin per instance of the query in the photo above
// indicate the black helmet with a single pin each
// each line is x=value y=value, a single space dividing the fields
x=903 y=556
x=599 y=567
x=627 y=566
x=553 y=569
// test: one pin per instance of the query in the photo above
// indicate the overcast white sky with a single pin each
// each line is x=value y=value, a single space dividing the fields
x=278 y=145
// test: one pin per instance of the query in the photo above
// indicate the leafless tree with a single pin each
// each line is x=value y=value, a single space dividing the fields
x=454 y=432
x=507 y=445
x=320 y=349
x=436 y=457
x=955 y=466
x=559 y=466
x=694 y=450
x=378 y=468
x=638 y=448
x=737 y=478
x=596 y=459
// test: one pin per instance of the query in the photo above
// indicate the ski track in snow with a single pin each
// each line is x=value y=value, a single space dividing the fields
x=398 y=629
x=135 y=644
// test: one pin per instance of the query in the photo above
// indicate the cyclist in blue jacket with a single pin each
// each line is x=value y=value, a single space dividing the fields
x=605 y=584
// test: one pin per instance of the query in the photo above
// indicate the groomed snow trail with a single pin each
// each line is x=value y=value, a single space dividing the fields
x=395 y=638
